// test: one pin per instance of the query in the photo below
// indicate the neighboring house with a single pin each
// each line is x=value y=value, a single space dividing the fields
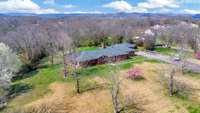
x=112 y=53
x=161 y=45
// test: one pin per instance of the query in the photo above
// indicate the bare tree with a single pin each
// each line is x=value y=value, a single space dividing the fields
x=149 y=39
x=52 y=32
x=193 y=37
x=66 y=44
x=77 y=78
x=75 y=68
x=115 y=95
x=183 y=34
x=171 y=82
x=115 y=87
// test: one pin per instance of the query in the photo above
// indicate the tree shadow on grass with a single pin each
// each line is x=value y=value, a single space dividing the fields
x=21 y=76
x=45 y=66
x=18 y=89
x=26 y=74
x=92 y=87
x=15 y=90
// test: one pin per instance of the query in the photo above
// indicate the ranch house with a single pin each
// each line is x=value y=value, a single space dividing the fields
x=114 y=53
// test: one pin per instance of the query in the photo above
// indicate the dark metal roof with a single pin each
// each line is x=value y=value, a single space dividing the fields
x=122 y=48
x=115 y=50
x=88 y=55
x=111 y=52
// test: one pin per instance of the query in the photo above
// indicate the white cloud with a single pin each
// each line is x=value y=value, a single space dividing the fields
x=18 y=5
x=119 y=5
x=152 y=4
x=50 y=2
x=123 y=6
x=23 y=6
x=191 y=11
x=162 y=5
x=70 y=6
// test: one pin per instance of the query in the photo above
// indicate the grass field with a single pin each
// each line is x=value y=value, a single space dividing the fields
x=149 y=94
x=166 y=51
x=173 y=52
x=191 y=103
x=48 y=82
x=35 y=84
x=87 y=48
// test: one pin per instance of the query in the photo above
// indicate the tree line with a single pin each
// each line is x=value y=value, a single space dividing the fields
x=29 y=39
x=35 y=37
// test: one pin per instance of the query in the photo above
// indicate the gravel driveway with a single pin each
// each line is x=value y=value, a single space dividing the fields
x=154 y=55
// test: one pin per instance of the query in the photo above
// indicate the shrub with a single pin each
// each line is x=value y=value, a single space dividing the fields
x=198 y=55
x=135 y=73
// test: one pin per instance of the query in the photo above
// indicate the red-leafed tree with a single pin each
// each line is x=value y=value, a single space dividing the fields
x=198 y=55
x=135 y=73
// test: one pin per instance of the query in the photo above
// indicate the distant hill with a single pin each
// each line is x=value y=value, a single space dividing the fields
x=111 y=15
x=197 y=16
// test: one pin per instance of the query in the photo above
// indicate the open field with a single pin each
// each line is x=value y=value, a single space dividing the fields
x=46 y=89
x=87 y=48
x=35 y=84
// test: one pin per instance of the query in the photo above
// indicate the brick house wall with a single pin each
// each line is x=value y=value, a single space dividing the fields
x=132 y=53
x=103 y=60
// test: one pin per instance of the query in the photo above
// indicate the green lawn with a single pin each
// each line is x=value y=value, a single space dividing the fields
x=104 y=69
x=86 y=48
x=192 y=107
x=166 y=51
x=173 y=52
x=36 y=84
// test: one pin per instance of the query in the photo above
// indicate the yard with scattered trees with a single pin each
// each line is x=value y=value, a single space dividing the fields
x=35 y=77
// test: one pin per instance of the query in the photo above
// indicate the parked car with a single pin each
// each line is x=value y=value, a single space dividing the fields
x=177 y=58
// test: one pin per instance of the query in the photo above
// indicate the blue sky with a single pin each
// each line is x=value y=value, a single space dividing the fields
x=99 y=6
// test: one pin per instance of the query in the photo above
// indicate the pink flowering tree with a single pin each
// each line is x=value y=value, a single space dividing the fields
x=135 y=73
x=198 y=55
